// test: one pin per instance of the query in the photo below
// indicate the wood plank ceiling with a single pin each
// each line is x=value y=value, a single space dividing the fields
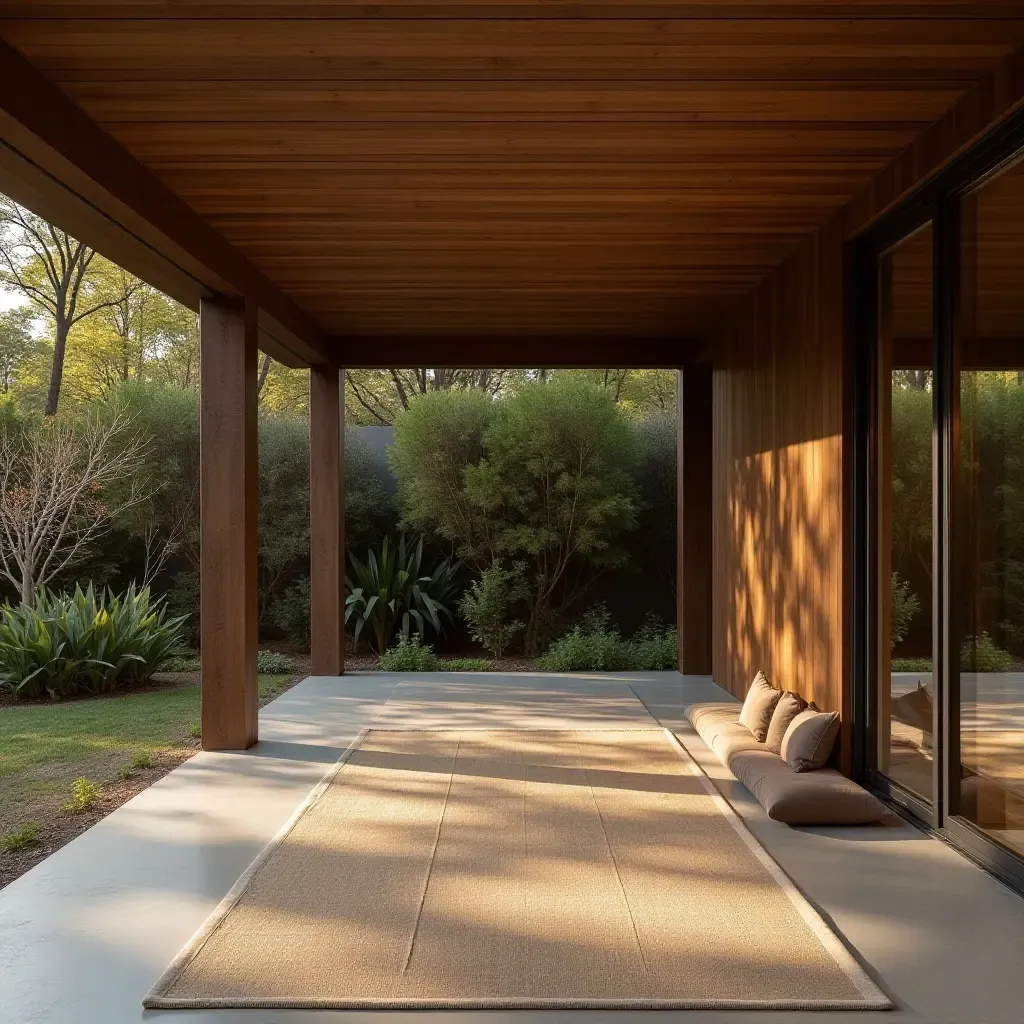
x=470 y=168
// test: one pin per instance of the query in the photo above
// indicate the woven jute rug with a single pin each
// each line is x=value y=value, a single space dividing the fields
x=530 y=869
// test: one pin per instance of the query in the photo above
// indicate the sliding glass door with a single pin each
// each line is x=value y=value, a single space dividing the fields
x=938 y=300
x=904 y=742
x=989 y=525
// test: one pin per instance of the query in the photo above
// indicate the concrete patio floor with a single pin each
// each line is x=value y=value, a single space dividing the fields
x=85 y=933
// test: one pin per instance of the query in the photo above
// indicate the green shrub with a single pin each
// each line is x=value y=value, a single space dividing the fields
x=195 y=730
x=125 y=773
x=542 y=475
x=463 y=665
x=903 y=606
x=596 y=646
x=911 y=665
x=84 y=643
x=488 y=604
x=270 y=663
x=980 y=654
x=390 y=591
x=592 y=646
x=142 y=759
x=290 y=611
x=84 y=795
x=655 y=647
x=21 y=837
x=410 y=654
x=182 y=663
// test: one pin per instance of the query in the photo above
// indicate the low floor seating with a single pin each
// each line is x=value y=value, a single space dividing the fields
x=820 y=797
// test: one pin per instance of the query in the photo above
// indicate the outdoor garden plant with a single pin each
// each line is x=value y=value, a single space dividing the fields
x=595 y=645
x=389 y=591
x=488 y=603
x=86 y=642
x=410 y=654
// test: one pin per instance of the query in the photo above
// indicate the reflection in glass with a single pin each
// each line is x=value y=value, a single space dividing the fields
x=990 y=521
x=905 y=698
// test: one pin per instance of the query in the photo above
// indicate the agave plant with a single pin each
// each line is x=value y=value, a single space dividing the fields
x=390 y=591
x=87 y=642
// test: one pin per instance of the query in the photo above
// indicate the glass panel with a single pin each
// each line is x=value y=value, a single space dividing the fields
x=990 y=524
x=905 y=697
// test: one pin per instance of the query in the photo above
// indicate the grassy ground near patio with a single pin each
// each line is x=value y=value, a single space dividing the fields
x=121 y=742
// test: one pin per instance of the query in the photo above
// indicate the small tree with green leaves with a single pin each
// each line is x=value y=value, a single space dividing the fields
x=487 y=606
x=903 y=606
x=542 y=475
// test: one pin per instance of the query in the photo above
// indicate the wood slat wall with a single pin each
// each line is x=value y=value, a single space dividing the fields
x=781 y=423
x=778 y=481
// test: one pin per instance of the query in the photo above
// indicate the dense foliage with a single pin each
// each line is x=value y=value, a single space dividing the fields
x=595 y=645
x=544 y=476
x=488 y=604
x=86 y=642
x=992 y=475
x=391 y=590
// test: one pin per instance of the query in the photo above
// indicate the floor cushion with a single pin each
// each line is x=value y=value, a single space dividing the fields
x=756 y=713
x=789 y=706
x=808 y=742
x=822 y=797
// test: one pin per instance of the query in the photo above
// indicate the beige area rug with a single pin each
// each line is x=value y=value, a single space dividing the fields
x=516 y=869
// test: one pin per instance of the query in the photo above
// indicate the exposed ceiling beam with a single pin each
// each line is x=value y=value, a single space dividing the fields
x=552 y=351
x=57 y=161
x=998 y=95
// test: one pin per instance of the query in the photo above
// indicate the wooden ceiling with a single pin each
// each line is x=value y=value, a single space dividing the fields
x=472 y=169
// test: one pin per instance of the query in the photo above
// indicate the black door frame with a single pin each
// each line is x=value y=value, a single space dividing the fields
x=937 y=202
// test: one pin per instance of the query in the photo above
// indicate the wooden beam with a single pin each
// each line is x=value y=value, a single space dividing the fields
x=998 y=95
x=228 y=507
x=327 y=521
x=40 y=125
x=694 y=509
x=28 y=184
x=551 y=351
x=978 y=353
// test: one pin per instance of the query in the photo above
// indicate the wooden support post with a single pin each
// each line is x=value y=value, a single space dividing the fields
x=228 y=504
x=694 y=534
x=327 y=521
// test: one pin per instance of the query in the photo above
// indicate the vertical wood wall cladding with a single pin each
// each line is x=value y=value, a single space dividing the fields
x=778 y=480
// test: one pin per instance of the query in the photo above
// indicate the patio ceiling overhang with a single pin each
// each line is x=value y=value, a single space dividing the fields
x=439 y=182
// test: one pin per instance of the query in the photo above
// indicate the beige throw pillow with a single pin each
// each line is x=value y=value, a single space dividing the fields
x=789 y=706
x=808 y=740
x=758 y=707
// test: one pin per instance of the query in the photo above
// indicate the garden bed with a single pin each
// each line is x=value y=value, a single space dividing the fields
x=371 y=663
x=123 y=742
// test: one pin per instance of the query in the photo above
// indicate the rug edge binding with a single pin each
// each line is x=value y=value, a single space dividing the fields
x=873 y=997
x=827 y=935
x=194 y=946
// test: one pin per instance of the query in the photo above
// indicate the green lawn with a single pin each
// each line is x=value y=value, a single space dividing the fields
x=44 y=746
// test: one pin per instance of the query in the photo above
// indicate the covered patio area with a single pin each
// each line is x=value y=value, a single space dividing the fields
x=84 y=935
x=714 y=188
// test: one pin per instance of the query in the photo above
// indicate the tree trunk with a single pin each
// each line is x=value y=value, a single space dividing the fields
x=28 y=589
x=264 y=370
x=60 y=344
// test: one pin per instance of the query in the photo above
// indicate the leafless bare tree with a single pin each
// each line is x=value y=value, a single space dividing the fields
x=56 y=484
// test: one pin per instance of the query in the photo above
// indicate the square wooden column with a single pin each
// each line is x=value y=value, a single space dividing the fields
x=228 y=506
x=694 y=533
x=327 y=521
